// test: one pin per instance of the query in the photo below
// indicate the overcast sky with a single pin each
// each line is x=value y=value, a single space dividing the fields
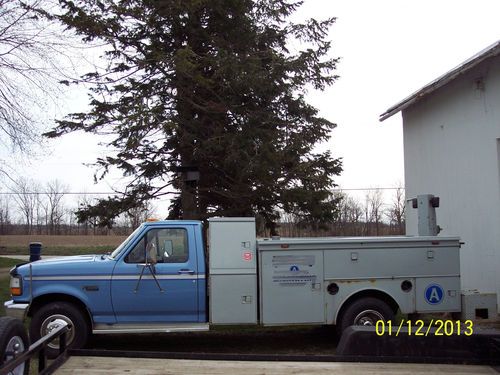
x=388 y=50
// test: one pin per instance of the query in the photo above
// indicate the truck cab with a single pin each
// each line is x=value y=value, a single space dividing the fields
x=155 y=281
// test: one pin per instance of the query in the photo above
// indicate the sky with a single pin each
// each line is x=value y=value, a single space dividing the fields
x=388 y=50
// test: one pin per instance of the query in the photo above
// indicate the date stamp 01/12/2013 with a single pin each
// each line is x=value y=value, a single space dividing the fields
x=436 y=327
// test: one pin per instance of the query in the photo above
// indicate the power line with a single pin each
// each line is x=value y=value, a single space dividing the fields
x=56 y=192
x=372 y=188
x=112 y=192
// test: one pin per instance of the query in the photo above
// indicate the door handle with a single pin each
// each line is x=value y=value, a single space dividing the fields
x=186 y=272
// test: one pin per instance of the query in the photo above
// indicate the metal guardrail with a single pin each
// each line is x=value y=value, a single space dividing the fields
x=39 y=348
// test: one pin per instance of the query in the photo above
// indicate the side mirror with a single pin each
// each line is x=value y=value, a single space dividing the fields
x=151 y=256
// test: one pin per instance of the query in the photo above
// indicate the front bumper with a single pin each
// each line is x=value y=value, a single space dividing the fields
x=16 y=310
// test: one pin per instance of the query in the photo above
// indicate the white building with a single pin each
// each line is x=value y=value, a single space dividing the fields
x=451 y=137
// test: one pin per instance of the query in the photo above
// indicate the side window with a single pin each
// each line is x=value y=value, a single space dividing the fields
x=167 y=245
x=138 y=253
x=172 y=245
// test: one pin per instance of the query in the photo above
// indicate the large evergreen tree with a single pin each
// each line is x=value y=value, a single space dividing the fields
x=213 y=86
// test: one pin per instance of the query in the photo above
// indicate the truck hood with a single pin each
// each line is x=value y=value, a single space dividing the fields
x=70 y=265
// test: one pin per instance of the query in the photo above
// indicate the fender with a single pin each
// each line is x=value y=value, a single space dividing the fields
x=368 y=291
x=93 y=295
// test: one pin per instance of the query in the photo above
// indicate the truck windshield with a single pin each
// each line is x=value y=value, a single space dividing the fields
x=119 y=249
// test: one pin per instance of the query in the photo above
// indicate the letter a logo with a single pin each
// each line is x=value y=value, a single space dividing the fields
x=434 y=294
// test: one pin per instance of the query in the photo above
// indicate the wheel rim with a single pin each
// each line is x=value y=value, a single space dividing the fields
x=15 y=346
x=53 y=322
x=368 y=318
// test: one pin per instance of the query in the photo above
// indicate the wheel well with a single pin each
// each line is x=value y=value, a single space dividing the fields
x=40 y=301
x=369 y=293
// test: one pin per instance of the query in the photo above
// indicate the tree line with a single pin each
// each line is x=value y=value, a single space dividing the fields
x=370 y=215
x=34 y=208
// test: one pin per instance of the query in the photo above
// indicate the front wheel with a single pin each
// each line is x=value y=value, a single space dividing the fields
x=13 y=341
x=51 y=316
x=365 y=312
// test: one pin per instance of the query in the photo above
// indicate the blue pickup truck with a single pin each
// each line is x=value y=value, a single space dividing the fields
x=157 y=281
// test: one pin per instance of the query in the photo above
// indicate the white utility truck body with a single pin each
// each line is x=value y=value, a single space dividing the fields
x=311 y=280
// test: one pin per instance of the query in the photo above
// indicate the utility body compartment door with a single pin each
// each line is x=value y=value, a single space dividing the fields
x=233 y=273
x=291 y=287
x=156 y=279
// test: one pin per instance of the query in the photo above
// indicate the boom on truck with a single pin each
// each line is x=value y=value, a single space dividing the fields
x=158 y=280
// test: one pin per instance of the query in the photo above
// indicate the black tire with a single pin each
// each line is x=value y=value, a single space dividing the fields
x=13 y=338
x=365 y=311
x=48 y=318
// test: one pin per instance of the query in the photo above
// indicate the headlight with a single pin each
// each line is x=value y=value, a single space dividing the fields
x=16 y=286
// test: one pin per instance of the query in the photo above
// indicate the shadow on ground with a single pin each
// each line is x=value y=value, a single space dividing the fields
x=301 y=340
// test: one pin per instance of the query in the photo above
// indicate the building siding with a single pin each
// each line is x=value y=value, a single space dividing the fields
x=452 y=150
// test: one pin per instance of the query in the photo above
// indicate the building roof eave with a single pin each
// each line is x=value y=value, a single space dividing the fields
x=492 y=50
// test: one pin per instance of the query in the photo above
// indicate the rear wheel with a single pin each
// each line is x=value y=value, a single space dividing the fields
x=13 y=341
x=51 y=316
x=365 y=312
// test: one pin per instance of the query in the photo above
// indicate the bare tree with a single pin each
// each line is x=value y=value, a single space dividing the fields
x=4 y=216
x=396 y=212
x=54 y=193
x=25 y=194
x=374 y=202
x=354 y=212
x=83 y=201
x=35 y=55
x=138 y=215
x=350 y=214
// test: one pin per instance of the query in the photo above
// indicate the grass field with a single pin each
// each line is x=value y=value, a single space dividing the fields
x=8 y=262
x=48 y=240
x=59 y=245
x=4 y=288
x=58 y=250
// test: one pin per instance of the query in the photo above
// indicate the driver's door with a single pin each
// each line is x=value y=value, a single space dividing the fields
x=156 y=280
